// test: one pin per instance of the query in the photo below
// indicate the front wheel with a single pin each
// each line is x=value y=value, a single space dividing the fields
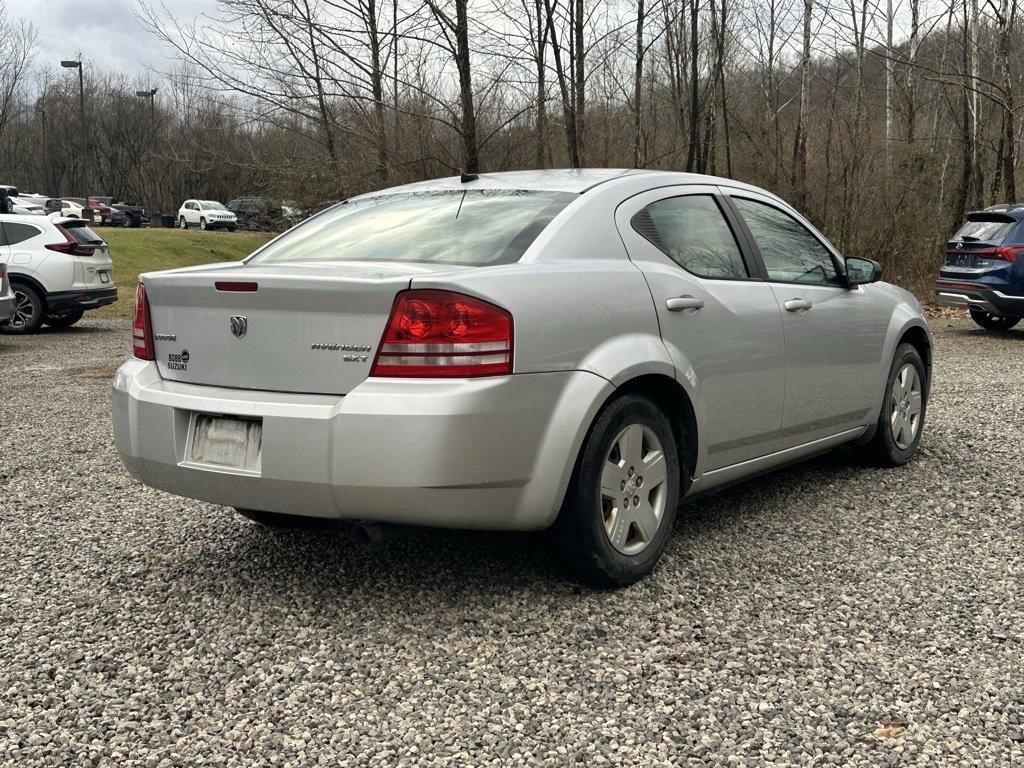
x=991 y=322
x=182 y=223
x=620 y=509
x=901 y=420
x=202 y=224
x=28 y=310
x=64 y=319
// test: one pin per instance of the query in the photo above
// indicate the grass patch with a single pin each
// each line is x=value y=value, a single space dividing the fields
x=135 y=251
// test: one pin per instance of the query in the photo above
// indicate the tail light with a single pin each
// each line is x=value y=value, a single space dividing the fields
x=433 y=333
x=70 y=245
x=142 y=328
x=999 y=253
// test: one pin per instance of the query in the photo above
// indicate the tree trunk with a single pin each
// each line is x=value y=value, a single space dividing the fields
x=693 y=152
x=800 y=137
x=462 y=59
x=638 y=81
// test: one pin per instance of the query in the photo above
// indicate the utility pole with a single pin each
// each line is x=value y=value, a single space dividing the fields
x=84 y=182
x=151 y=95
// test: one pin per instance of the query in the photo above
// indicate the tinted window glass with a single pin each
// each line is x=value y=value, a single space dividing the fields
x=791 y=253
x=985 y=231
x=692 y=231
x=82 y=235
x=18 y=233
x=462 y=227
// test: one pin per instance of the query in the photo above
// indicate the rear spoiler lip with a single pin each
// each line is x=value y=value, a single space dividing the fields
x=992 y=216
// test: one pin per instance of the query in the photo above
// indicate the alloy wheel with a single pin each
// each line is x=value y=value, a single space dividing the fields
x=23 y=309
x=905 y=406
x=633 y=489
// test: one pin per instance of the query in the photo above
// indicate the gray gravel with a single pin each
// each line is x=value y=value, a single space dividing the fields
x=825 y=615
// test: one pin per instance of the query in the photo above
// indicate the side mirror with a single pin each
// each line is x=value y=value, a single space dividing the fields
x=862 y=271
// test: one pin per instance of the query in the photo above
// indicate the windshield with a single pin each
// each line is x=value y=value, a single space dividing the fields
x=472 y=228
x=211 y=205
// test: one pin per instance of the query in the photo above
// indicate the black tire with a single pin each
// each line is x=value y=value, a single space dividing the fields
x=182 y=223
x=231 y=229
x=279 y=520
x=580 y=532
x=991 y=322
x=65 y=319
x=29 y=309
x=882 y=449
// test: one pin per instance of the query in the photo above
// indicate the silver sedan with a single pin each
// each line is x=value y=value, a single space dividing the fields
x=575 y=350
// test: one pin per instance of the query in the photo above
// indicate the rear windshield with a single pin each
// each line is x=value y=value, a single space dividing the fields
x=986 y=228
x=472 y=228
x=82 y=235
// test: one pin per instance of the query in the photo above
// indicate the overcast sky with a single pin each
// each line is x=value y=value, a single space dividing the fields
x=105 y=31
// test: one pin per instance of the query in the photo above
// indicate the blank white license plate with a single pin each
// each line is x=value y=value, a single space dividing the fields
x=104 y=277
x=227 y=441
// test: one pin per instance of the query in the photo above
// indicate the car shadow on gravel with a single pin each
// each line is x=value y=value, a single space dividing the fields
x=321 y=564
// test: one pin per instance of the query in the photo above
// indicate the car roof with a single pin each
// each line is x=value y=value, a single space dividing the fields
x=1013 y=210
x=24 y=218
x=575 y=180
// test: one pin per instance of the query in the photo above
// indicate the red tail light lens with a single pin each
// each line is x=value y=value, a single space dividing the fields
x=71 y=245
x=444 y=334
x=1006 y=253
x=142 y=328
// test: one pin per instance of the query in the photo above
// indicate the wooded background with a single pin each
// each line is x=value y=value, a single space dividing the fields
x=883 y=120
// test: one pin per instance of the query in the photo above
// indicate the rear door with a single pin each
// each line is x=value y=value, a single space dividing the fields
x=833 y=333
x=719 y=320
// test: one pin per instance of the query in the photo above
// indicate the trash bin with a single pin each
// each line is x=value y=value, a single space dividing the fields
x=167 y=222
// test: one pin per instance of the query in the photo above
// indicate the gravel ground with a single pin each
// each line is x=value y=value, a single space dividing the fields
x=825 y=615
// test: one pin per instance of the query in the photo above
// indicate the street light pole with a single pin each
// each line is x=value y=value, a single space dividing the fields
x=151 y=95
x=77 y=64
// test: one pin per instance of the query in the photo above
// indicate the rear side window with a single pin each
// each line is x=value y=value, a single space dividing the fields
x=16 y=233
x=987 y=228
x=692 y=231
x=790 y=252
x=471 y=228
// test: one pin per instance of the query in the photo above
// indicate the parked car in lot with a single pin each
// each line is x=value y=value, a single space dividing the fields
x=984 y=269
x=107 y=212
x=206 y=214
x=6 y=297
x=135 y=215
x=257 y=213
x=58 y=269
x=576 y=349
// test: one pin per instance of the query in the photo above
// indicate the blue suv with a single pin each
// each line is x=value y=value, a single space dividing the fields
x=984 y=269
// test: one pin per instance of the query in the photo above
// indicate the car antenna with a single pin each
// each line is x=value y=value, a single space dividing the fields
x=467 y=177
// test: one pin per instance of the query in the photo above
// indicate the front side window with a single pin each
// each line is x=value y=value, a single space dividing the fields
x=472 y=228
x=791 y=253
x=692 y=231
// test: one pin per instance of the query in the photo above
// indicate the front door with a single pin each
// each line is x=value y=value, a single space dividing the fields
x=721 y=324
x=833 y=333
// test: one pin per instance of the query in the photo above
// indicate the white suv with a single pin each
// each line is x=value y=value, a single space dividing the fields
x=206 y=214
x=58 y=269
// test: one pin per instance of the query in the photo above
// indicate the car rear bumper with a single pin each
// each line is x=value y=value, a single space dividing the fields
x=980 y=297
x=493 y=453
x=88 y=299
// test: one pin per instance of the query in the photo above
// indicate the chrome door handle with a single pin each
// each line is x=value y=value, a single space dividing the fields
x=684 y=302
x=797 y=305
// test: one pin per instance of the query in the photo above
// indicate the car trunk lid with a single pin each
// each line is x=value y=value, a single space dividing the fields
x=310 y=328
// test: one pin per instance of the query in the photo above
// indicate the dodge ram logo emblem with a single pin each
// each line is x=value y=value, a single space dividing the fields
x=239 y=325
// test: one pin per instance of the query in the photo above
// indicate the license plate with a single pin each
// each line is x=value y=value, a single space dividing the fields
x=104 y=277
x=226 y=441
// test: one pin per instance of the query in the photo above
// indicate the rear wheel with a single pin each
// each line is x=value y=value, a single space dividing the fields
x=279 y=520
x=620 y=509
x=64 y=319
x=901 y=421
x=28 y=310
x=991 y=322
